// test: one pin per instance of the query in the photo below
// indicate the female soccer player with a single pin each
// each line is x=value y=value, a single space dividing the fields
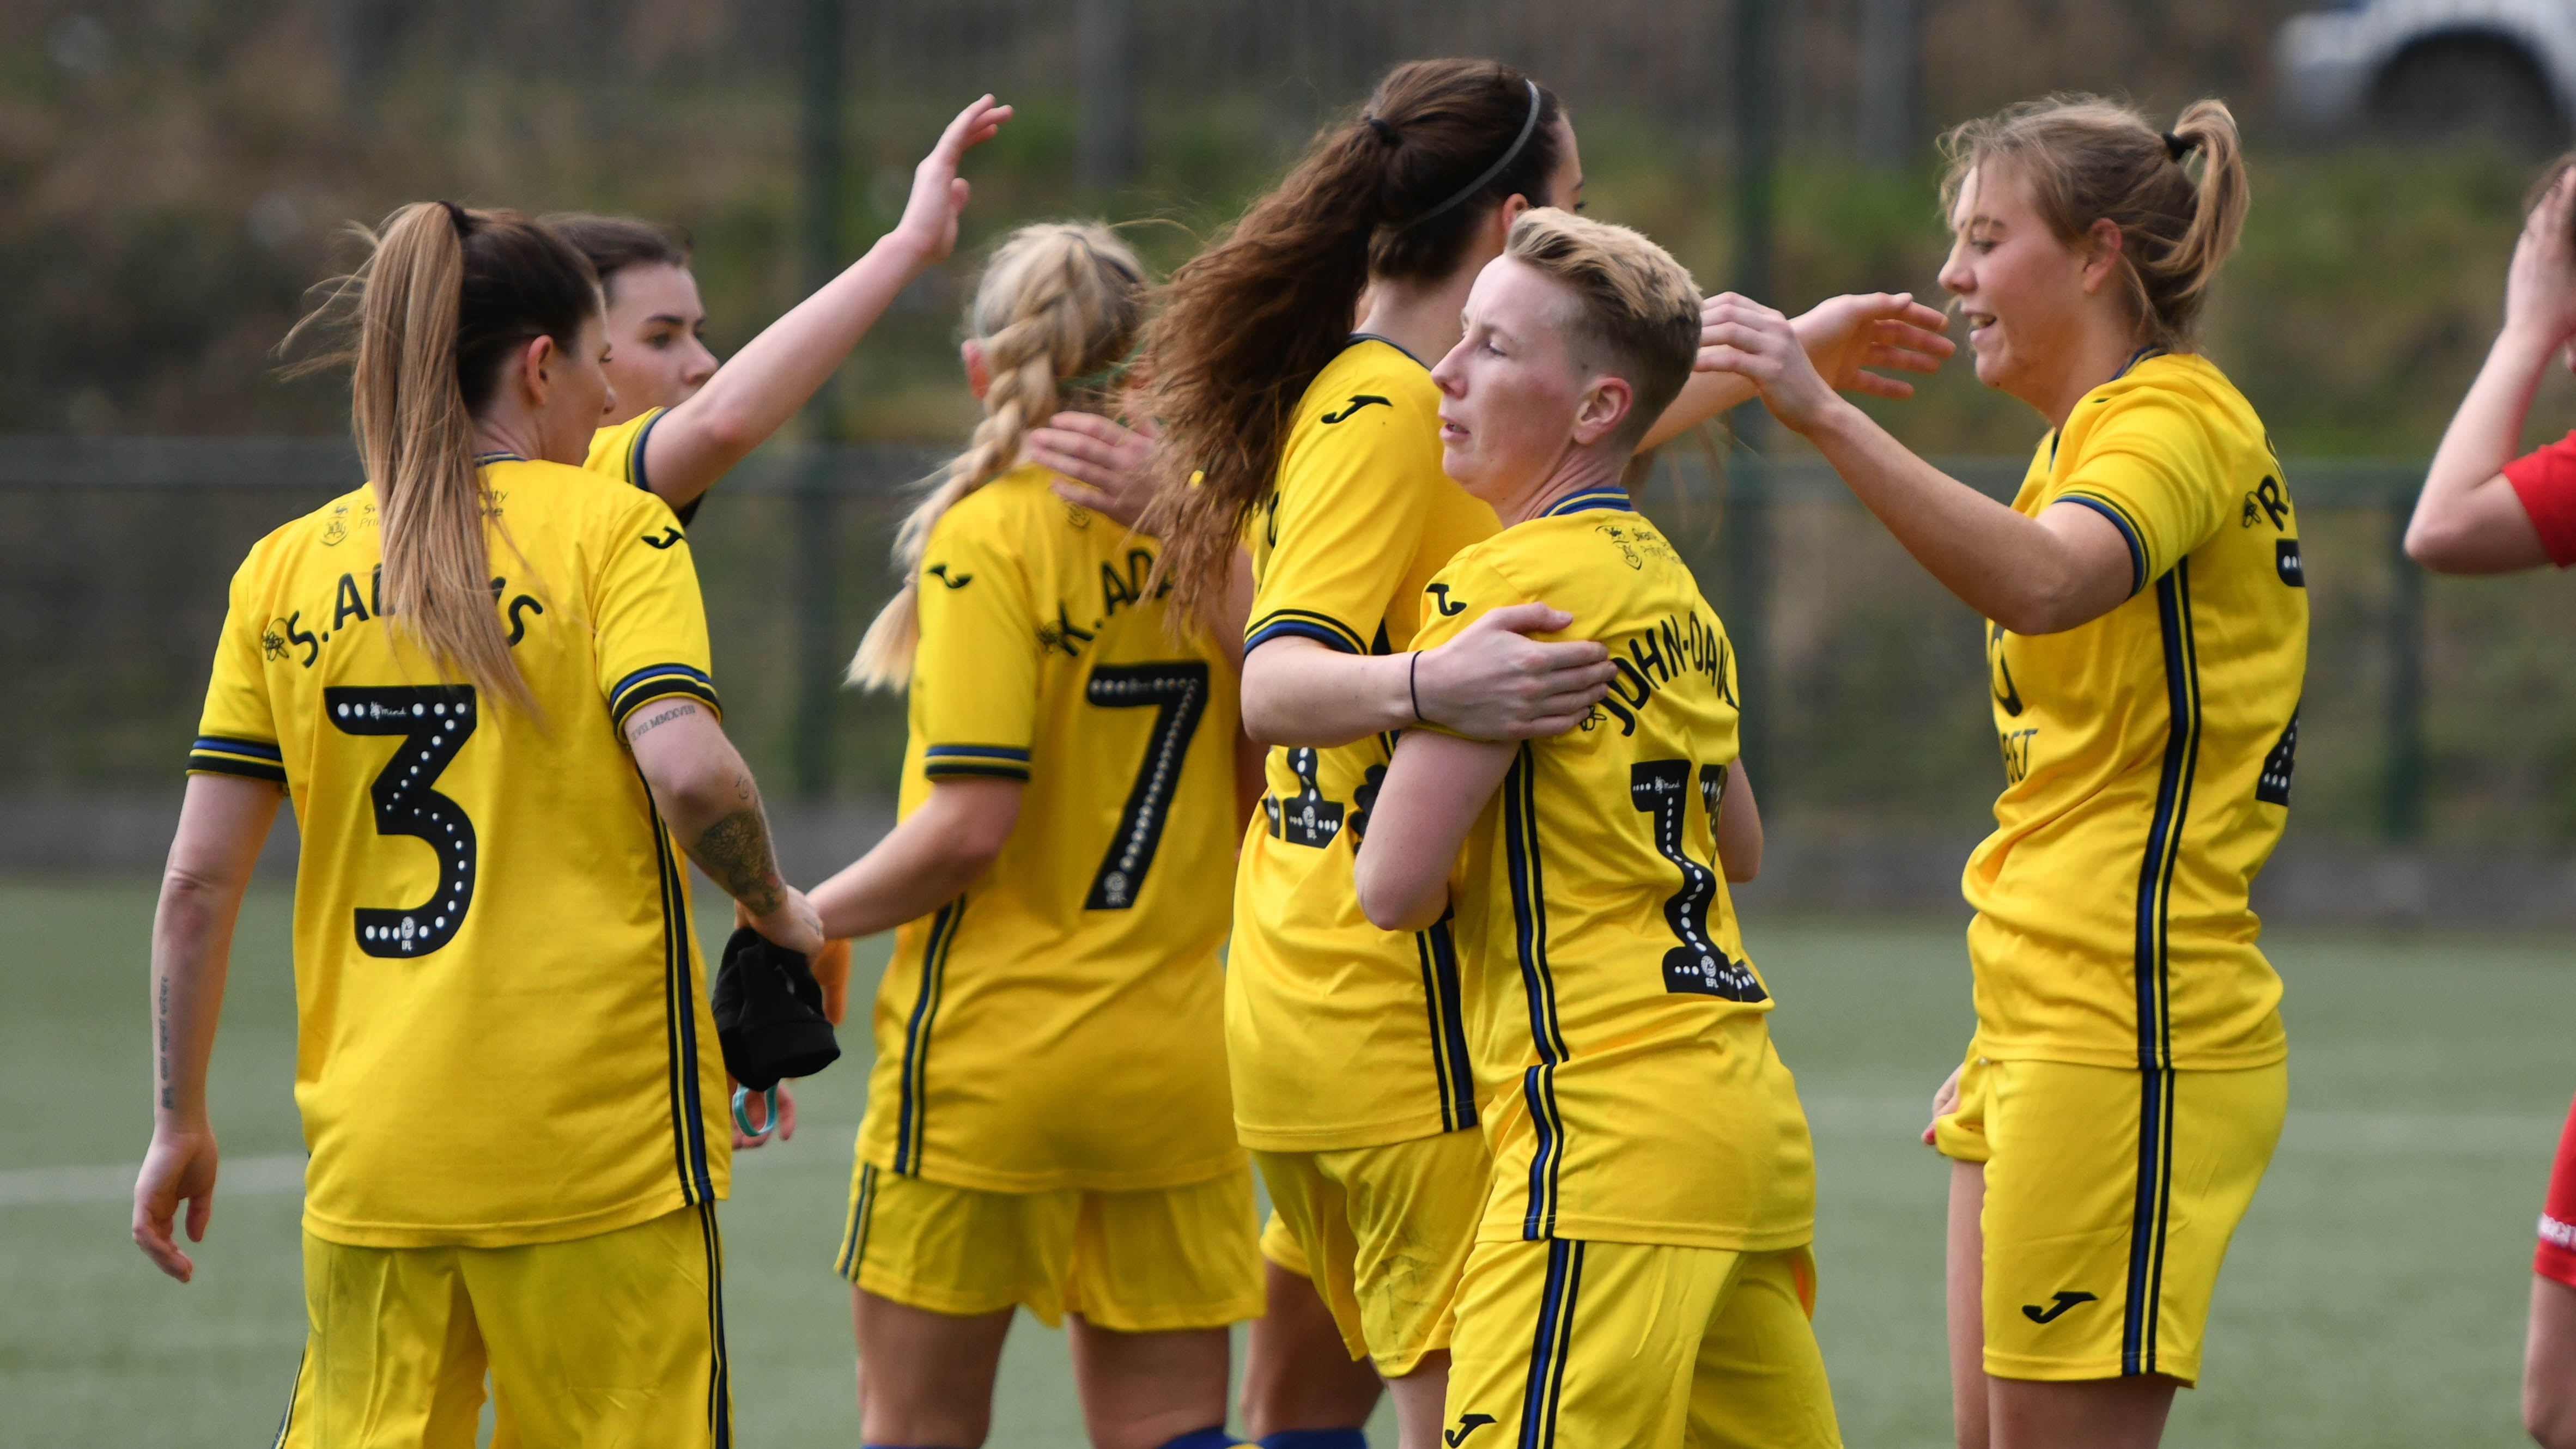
x=2485 y=511
x=2147 y=640
x=1048 y=1124
x=1642 y=1273
x=678 y=421
x=1318 y=444
x=485 y=688
x=681 y=422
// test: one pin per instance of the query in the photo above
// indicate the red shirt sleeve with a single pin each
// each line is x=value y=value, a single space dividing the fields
x=2545 y=481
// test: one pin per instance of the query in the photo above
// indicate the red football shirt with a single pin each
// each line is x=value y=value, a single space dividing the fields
x=2545 y=481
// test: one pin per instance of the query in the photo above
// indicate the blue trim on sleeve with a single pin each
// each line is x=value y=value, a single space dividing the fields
x=656 y=682
x=1324 y=629
x=2128 y=533
x=999 y=762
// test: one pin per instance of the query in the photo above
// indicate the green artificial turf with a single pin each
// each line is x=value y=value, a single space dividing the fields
x=2374 y=1295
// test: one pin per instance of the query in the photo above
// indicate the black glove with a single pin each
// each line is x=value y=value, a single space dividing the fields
x=769 y=1013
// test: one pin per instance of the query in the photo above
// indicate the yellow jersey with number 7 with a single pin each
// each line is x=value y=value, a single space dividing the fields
x=502 y=1034
x=1059 y=1024
x=1620 y=1032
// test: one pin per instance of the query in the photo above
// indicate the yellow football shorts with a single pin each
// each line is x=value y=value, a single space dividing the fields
x=613 y=1339
x=1156 y=1261
x=1580 y=1343
x=1384 y=1234
x=2111 y=1194
x=1280 y=1246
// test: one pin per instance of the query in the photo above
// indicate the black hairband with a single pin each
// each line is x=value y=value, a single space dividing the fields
x=2176 y=147
x=456 y=218
x=1508 y=157
x=1385 y=132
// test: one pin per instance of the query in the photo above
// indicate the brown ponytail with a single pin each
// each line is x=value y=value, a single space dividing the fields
x=1244 y=328
x=2087 y=158
x=444 y=299
x=1057 y=314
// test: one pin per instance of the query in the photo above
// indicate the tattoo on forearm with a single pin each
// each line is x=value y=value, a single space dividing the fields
x=676 y=711
x=161 y=1053
x=735 y=851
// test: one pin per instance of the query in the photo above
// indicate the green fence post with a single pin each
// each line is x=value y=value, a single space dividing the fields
x=1748 y=507
x=817 y=681
x=2402 y=781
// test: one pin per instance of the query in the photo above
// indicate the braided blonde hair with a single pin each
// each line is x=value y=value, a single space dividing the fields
x=1059 y=308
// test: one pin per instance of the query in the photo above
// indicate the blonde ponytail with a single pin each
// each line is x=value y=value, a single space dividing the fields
x=2219 y=204
x=445 y=296
x=1059 y=308
x=2087 y=159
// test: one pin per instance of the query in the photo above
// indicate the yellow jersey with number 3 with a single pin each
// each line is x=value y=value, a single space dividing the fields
x=1630 y=1089
x=1060 y=1024
x=502 y=1034
x=2147 y=754
x=1342 y=1035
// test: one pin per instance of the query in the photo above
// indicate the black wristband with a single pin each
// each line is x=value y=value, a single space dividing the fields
x=1411 y=670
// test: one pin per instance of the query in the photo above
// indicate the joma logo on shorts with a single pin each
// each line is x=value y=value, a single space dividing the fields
x=1467 y=1424
x=2066 y=1298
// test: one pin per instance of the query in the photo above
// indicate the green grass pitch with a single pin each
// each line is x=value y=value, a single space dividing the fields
x=2374 y=1296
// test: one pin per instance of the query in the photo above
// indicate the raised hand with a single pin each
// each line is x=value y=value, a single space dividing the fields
x=1845 y=336
x=1100 y=462
x=2540 y=289
x=1756 y=343
x=929 y=224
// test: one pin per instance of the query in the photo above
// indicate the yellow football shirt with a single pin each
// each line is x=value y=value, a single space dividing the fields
x=1631 y=1093
x=618 y=451
x=501 y=1031
x=1342 y=1035
x=2147 y=754
x=1060 y=1025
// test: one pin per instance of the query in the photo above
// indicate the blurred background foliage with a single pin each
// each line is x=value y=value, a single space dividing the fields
x=181 y=170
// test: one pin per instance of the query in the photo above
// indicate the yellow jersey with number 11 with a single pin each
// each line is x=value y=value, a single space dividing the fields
x=1342 y=1035
x=502 y=1033
x=2147 y=754
x=1620 y=1035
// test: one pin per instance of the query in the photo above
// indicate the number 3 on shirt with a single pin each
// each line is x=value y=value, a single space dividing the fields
x=434 y=722
x=1662 y=789
x=1179 y=693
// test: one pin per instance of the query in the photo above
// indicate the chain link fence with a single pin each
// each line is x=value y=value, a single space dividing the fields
x=2438 y=712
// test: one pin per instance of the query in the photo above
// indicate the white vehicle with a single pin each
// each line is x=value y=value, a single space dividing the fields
x=2411 y=70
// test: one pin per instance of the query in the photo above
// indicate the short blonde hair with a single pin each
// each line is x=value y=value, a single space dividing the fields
x=1635 y=307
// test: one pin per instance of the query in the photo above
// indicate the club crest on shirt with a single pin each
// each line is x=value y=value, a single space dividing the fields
x=2266 y=501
